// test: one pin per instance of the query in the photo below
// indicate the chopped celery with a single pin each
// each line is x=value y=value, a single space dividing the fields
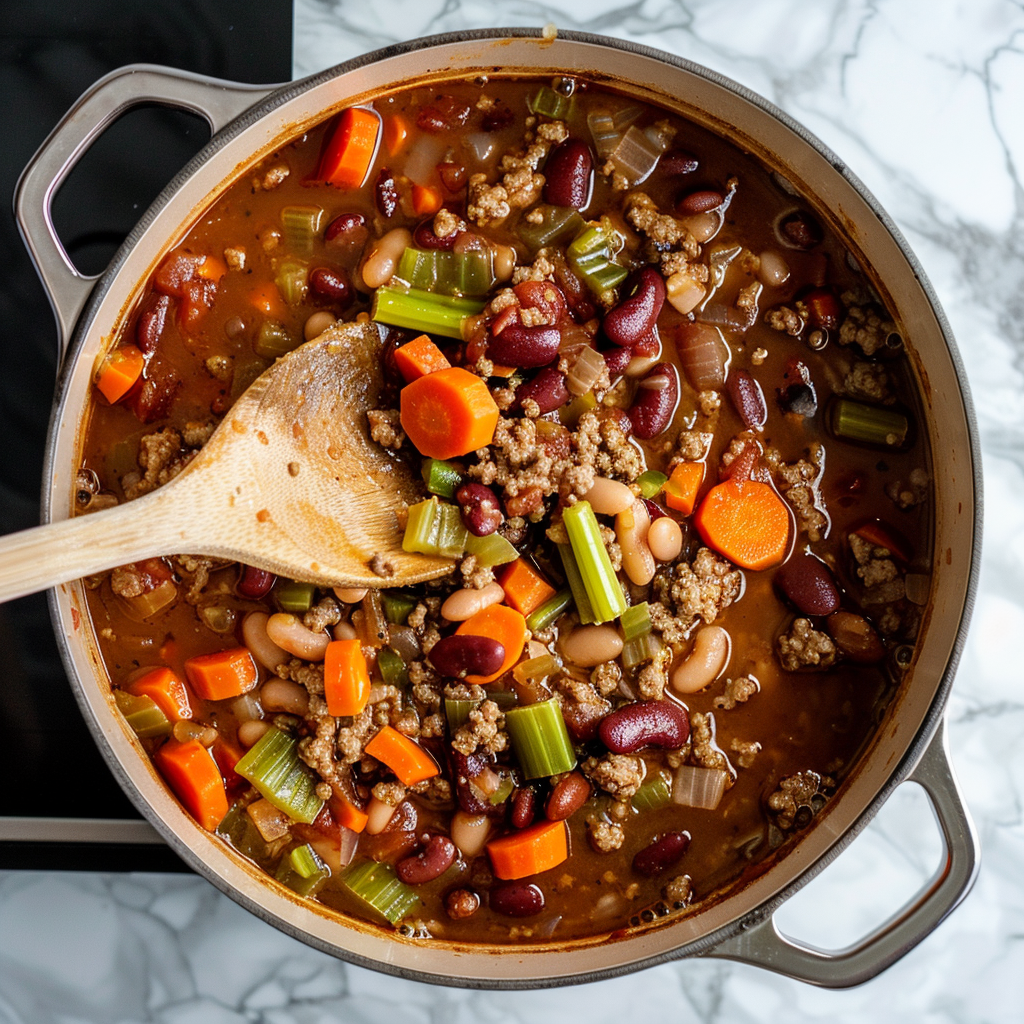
x=441 y=478
x=571 y=413
x=273 y=340
x=274 y=768
x=540 y=739
x=423 y=311
x=655 y=793
x=603 y=131
x=651 y=482
x=491 y=550
x=504 y=790
x=544 y=615
x=869 y=424
x=241 y=831
x=377 y=885
x=576 y=586
x=642 y=648
x=392 y=668
x=505 y=699
x=303 y=871
x=536 y=669
x=636 y=621
x=142 y=714
x=435 y=528
x=557 y=224
x=602 y=585
x=447 y=273
x=295 y=596
x=397 y=606
x=457 y=711
x=292 y=281
x=550 y=103
x=590 y=255
x=301 y=226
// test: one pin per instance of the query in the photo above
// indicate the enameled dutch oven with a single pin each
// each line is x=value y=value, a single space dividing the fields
x=250 y=123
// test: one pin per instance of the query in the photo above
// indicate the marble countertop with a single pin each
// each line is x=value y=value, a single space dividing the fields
x=922 y=99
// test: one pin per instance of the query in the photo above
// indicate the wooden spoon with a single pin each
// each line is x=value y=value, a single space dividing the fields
x=290 y=481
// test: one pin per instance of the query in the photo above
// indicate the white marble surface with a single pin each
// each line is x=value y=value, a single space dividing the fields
x=922 y=98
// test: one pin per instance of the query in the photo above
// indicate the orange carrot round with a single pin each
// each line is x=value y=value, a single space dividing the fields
x=346 y=680
x=448 y=413
x=503 y=624
x=746 y=521
x=529 y=851
x=192 y=773
x=351 y=148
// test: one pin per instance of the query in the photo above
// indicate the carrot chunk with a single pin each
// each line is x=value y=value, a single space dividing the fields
x=406 y=758
x=448 y=413
x=396 y=131
x=222 y=674
x=525 y=588
x=119 y=371
x=351 y=148
x=348 y=815
x=166 y=690
x=531 y=850
x=426 y=201
x=346 y=680
x=503 y=624
x=746 y=521
x=192 y=773
x=419 y=357
x=267 y=299
x=682 y=486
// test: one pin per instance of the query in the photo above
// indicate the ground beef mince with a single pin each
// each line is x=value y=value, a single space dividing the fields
x=630 y=412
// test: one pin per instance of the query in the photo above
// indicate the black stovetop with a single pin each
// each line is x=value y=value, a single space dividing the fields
x=59 y=805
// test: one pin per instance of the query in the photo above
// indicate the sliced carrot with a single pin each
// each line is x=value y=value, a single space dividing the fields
x=119 y=371
x=267 y=299
x=419 y=357
x=222 y=674
x=406 y=758
x=530 y=850
x=503 y=624
x=448 y=413
x=426 y=201
x=166 y=690
x=192 y=773
x=682 y=486
x=396 y=131
x=746 y=521
x=212 y=268
x=227 y=753
x=502 y=371
x=351 y=148
x=346 y=679
x=348 y=815
x=525 y=588
x=874 y=531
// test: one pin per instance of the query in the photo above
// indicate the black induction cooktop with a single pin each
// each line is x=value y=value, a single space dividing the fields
x=60 y=808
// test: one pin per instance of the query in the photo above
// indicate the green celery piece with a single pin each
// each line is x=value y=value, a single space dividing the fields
x=603 y=131
x=504 y=790
x=653 y=794
x=238 y=828
x=540 y=739
x=303 y=871
x=435 y=528
x=397 y=606
x=475 y=272
x=651 y=482
x=452 y=536
x=457 y=711
x=491 y=550
x=142 y=714
x=570 y=414
x=292 y=280
x=377 y=885
x=421 y=310
x=590 y=255
x=546 y=614
x=301 y=226
x=869 y=424
x=505 y=699
x=273 y=766
x=640 y=649
x=636 y=621
x=447 y=273
x=559 y=224
x=441 y=478
x=549 y=103
x=392 y=668
x=599 y=579
x=576 y=586
x=273 y=340
x=295 y=596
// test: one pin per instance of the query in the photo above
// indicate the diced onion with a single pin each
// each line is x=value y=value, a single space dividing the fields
x=636 y=156
x=602 y=130
x=702 y=352
x=683 y=292
x=481 y=144
x=424 y=156
x=404 y=642
x=699 y=787
x=585 y=371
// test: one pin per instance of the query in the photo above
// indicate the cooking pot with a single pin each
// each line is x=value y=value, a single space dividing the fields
x=910 y=744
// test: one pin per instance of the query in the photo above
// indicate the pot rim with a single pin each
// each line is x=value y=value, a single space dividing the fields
x=932 y=719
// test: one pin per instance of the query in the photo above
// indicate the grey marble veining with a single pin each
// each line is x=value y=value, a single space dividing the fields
x=923 y=101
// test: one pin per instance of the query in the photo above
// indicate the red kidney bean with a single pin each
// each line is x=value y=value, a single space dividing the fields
x=808 y=583
x=480 y=508
x=634 y=317
x=254 y=583
x=661 y=854
x=497 y=117
x=545 y=297
x=528 y=500
x=577 y=294
x=463 y=770
x=747 y=398
x=547 y=389
x=617 y=359
x=523 y=804
x=855 y=637
x=653 y=723
x=800 y=230
x=703 y=201
x=385 y=193
x=678 y=161
x=567 y=797
x=453 y=176
x=424 y=238
x=347 y=230
x=464 y=654
x=648 y=345
x=742 y=466
x=331 y=284
x=823 y=308
x=444 y=114
x=151 y=324
x=654 y=510
x=524 y=347
x=461 y=903
x=517 y=899
x=582 y=720
x=569 y=175
x=655 y=401
x=799 y=398
x=431 y=862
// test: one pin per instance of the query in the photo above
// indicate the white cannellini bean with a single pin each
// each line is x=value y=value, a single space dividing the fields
x=609 y=497
x=350 y=595
x=288 y=632
x=383 y=255
x=249 y=732
x=378 y=814
x=469 y=833
x=631 y=529
x=261 y=647
x=665 y=539
x=705 y=663
x=703 y=226
x=465 y=603
x=772 y=269
x=317 y=323
x=504 y=261
x=283 y=695
x=589 y=646
x=344 y=631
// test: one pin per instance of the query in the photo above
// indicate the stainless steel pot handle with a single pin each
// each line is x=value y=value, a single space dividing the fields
x=763 y=945
x=216 y=101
